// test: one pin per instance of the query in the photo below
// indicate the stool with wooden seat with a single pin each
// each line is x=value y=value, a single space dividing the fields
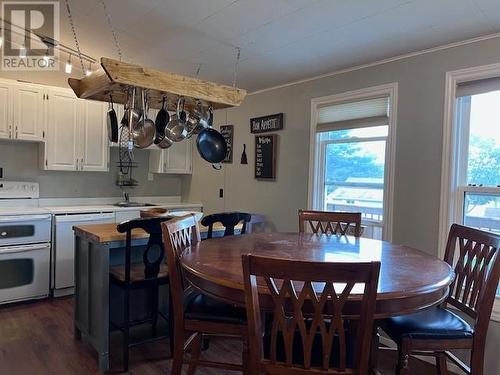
x=149 y=275
x=329 y=222
x=438 y=330
x=196 y=315
x=229 y=220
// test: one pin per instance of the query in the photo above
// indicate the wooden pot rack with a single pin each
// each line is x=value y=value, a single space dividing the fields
x=114 y=77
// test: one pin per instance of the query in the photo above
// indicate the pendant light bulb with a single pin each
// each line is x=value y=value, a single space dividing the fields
x=22 y=51
x=69 y=67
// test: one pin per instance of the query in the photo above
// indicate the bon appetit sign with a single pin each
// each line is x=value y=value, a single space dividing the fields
x=265 y=124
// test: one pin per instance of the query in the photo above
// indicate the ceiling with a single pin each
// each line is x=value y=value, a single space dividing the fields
x=280 y=40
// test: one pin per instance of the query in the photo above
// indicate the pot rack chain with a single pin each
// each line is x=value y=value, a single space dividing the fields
x=237 y=62
x=113 y=31
x=70 y=18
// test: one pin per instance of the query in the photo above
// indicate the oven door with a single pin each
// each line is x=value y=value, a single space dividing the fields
x=23 y=229
x=24 y=272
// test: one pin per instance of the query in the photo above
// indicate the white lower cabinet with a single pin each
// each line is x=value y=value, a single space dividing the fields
x=176 y=159
x=77 y=134
x=121 y=216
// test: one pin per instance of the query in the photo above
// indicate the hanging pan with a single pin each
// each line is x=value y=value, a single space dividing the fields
x=211 y=145
x=112 y=122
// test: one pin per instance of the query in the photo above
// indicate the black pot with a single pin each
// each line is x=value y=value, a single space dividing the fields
x=211 y=145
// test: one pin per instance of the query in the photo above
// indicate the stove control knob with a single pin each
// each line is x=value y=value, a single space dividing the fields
x=3 y=234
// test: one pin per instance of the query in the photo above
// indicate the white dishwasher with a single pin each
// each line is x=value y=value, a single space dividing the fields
x=63 y=247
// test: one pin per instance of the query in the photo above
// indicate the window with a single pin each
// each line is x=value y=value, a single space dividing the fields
x=350 y=155
x=478 y=172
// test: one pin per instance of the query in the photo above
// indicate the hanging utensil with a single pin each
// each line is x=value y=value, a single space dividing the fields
x=143 y=132
x=176 y=129
x=112 y=123
x=244 y=155
x=211 y=145
x=199 y=119
x=162 y=119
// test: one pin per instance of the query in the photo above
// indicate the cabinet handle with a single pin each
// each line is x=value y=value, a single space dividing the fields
x=17 y=133
x=81 y=164
x=10 y=131
x=76 y=164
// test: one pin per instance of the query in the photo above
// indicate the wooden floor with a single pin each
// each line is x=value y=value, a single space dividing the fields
x=37 y=338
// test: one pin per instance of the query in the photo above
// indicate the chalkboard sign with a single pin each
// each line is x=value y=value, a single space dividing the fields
x=265 y=156
x=265 y=124
x=227 y=132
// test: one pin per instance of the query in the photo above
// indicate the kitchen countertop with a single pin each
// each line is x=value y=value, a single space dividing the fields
x=57 y=210
x=103 y=233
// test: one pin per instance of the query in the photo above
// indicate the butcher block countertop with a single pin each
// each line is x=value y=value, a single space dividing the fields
x=103 y=233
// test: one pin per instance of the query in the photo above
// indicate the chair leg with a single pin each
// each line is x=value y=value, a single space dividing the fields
x=441 y=364
x=403 y=358
x=178 y=351
x=126 y=329
x=154 y=308
x=170 y=321
x=195 y=352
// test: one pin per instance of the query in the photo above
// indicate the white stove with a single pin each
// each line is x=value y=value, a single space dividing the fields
x=25 y=233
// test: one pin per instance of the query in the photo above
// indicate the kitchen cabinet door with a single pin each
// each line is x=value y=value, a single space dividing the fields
x=94 y=145
x=62 y=137
x=28 y=121
x=179 y=158
x=5 y=110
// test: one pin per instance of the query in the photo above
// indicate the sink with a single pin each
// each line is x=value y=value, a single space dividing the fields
x=133 y=204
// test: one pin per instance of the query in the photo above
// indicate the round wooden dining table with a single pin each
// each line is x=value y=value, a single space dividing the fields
x=410 y=280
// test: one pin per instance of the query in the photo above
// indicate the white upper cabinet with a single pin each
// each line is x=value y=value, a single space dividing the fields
x=94 y=152
x=62 y=145
x=28 y=102
x=5 y=110
x=176 y=159
x=76 y=138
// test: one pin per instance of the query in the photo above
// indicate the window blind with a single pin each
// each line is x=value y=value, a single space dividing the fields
x=362 y=113
x=481 y=86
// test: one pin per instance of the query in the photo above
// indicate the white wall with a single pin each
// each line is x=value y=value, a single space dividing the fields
x=418 y=149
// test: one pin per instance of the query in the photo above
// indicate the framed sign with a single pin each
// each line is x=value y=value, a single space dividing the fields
x=227 y=132
x=265 y=156
x=265 y=124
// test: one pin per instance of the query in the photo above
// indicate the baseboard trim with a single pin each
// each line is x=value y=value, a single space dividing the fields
x=451 y=366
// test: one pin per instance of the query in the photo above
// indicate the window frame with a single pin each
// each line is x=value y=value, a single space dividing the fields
x=316 y=152
x=454 y=156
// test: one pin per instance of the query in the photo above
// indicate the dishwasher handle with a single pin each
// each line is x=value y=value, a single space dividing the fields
x=85 y=217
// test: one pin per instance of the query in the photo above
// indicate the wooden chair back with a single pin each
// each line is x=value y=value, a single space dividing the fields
x=474 y=255
x=154 y=252
x=178 y=234
x=228 y=219
x=323 y=315
x=328 y=222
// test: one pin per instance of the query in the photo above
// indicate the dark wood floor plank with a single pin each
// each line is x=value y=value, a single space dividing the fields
x=37 y=338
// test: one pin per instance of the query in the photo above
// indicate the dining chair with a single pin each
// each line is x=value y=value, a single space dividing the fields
x=196 y=315
x=148 y=274
x=229 y=220
x=329 y=222
x=438 y=330
x=309 y=330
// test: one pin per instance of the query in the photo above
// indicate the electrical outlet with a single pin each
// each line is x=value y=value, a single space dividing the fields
x=1 y=172
x=221 y=193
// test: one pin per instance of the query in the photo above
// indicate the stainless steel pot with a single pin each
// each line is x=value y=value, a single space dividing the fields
x=143 y=133
x=200 y=118
x=176 y=129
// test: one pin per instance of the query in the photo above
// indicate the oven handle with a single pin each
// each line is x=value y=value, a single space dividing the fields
x=22 y=248
x=21 y=218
